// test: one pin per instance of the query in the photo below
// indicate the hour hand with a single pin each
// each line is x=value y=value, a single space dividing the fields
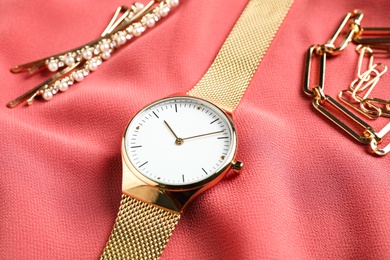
x=170 y=129
x=178 y=141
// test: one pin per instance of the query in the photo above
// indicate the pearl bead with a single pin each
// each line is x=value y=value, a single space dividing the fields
x=164 y=11
x=47 y=95
x=150 y=22
x=139 y=6
x=87 y=54
x=78 y=76
x=121 y=39
x=137 y=31
x=92 y=66
x=52 y=66
x=173 y=2
x=106 y=55
x=104 y=47
x=63 y=86
x=130 y=29
x=69 y=60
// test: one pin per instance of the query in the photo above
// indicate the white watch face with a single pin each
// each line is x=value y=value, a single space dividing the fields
x=180 y=141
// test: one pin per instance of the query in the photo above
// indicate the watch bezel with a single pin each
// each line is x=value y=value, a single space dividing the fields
x=205 y=183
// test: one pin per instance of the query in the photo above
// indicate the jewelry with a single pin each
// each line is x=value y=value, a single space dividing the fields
x=74 y=65
x=372 y=42
x=164 y=158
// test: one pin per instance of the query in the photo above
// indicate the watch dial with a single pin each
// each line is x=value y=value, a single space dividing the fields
x=179 y=141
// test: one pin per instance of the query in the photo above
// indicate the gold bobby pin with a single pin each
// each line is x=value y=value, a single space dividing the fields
x=74 y=65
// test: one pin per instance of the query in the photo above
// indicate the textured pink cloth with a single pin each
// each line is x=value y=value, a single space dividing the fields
x=307 y=190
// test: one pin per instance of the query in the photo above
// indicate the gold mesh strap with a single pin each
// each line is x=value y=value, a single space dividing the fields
x=232 y=70
x=141 y=231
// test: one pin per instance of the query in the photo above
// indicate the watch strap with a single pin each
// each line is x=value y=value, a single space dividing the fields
x=229 y=75
x=141 y=231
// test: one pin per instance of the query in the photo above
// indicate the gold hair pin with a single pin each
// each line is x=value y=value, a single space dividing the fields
x=74 y=65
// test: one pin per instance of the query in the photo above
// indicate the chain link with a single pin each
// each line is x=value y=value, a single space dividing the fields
x=357 y=95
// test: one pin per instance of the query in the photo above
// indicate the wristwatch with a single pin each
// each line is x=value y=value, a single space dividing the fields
x=177 y=147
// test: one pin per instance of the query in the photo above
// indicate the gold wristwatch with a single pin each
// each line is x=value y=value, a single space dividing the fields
x=179 y=146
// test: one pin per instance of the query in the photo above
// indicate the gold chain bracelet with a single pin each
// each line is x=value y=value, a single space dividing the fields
x=371 y=42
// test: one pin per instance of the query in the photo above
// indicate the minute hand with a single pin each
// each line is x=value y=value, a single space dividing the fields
x=195 y=136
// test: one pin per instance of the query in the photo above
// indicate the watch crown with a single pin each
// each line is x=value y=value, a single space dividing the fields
x=237 y=166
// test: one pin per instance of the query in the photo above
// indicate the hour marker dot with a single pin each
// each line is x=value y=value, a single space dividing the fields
x=137 y=128
x=222 y=157
x=198 y=108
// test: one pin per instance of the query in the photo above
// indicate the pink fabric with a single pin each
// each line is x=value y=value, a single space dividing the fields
x=307 y=190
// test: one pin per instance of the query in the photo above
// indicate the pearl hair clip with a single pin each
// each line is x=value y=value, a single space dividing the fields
x=74 y=65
